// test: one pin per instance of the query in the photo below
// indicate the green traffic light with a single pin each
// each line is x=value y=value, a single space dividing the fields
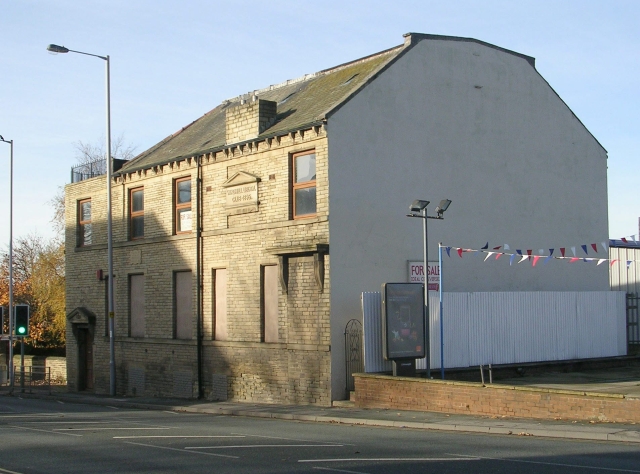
x=22 y=330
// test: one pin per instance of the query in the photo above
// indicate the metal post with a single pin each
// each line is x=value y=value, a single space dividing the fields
x=22 y=364
x=10 y=362
x=441 y=321
x=111 y=304
x=110 y=296
x=11 y=320
x=427 y=332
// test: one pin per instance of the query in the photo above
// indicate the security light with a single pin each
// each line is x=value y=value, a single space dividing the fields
x=419 y=209
x=418 y=205
x=444 y=204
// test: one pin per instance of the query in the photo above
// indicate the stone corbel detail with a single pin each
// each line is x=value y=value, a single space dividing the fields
x=318 y=267
x=283 y=273
x=284 y=253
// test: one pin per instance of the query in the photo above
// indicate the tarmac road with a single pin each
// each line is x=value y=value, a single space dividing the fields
x=56 y=436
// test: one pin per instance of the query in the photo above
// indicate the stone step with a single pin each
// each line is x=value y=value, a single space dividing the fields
x=343 y=404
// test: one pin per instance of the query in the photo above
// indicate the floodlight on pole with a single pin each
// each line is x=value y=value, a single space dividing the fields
x=10 y=365
x=418 y=208
x=54 y=48
x=443 y=206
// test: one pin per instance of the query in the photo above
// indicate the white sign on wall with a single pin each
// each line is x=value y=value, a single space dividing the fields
x=185 y=221
x=415 y=272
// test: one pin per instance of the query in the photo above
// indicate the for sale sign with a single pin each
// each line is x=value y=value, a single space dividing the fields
x=416 y=274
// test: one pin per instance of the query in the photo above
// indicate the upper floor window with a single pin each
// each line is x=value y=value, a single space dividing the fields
x=84 y=222
x=136 y=213
x=304 y=184
x=182 y=205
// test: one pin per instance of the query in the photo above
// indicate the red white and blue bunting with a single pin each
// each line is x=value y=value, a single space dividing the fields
x=588 y=253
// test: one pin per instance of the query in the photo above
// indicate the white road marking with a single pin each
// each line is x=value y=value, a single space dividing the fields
x=172 y=412
x=43 y=431
x=546 y=463
x=390 y=459
x=338 y=470
x=113 y=408
x=8 y=471
x=268 y=446
x=287 y=439
x=59 y=415
x=108 y=428
x=181 y=450
x=69 y=422
x=60 y=402
x=175 y=436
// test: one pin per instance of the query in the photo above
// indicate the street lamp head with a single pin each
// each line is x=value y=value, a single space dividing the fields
x=54 y=48
x=418 y=205
x=443 y=206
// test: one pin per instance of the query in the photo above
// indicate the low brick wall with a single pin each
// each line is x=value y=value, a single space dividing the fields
x=56 y=365
x=403 y=393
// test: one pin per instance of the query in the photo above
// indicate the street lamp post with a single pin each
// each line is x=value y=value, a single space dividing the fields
x=420 y=207
x=10 y=142
x=110 y=296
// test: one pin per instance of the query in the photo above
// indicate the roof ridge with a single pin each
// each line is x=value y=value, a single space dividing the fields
x=312 y=75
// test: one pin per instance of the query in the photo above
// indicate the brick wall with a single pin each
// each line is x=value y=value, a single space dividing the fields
x=296 y=369
x=401 y=393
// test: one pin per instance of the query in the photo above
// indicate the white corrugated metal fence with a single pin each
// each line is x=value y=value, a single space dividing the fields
x=510 y=327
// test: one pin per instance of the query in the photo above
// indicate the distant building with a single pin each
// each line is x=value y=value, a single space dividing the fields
x=242 y=242
x=624 y=274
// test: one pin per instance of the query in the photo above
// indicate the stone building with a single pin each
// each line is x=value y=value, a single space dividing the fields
x=242 y=242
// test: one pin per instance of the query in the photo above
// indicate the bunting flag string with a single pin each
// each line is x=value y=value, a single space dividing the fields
x=487 y=251
x=528 y=255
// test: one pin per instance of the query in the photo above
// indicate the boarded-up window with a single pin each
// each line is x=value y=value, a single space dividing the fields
x=270 y=303
x=183 y=305
x=136 y=305
x=220 y=304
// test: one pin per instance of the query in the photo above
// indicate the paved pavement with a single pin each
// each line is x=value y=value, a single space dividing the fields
x=624 y=380
x=370 y=417
x=617 y=380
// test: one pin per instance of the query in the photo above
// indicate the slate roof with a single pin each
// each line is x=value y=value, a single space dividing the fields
x=302 y=103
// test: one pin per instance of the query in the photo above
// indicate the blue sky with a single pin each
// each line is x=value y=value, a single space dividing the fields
x=172 y=61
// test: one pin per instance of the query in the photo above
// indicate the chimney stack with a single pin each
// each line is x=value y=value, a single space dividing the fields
x=249 y=119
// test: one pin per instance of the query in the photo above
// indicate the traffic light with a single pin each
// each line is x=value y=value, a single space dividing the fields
x=21 y=328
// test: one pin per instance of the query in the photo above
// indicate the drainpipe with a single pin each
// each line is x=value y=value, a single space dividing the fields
x=199 y=275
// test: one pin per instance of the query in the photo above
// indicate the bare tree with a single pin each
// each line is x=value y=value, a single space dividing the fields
x=90 y=158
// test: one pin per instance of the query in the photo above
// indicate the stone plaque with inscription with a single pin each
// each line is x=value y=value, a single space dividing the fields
x=241 y=192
